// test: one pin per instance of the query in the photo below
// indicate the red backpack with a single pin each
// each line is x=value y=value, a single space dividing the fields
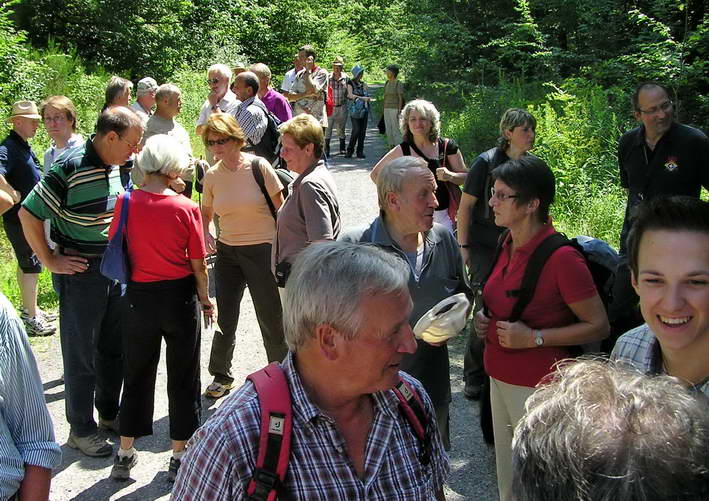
x=277 y=426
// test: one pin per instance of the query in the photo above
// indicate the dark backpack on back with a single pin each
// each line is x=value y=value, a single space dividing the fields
x=277 y=427
x=285 y=176
x=270 y=145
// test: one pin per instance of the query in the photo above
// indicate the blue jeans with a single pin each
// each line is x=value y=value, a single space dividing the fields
x=90 y=312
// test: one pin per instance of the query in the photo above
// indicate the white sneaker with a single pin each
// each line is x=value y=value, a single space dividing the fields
x=37 y=326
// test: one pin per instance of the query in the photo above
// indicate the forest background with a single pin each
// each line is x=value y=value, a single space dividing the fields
x=572 y=63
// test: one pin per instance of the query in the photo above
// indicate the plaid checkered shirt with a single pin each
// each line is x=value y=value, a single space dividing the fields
x=339 y=88
x=639 y=348
x=251 y=118
x=221 y=456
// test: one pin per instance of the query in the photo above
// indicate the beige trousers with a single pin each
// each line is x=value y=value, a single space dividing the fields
x=507 y=409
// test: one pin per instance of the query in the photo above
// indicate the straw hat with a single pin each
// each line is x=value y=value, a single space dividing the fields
x=27 y=109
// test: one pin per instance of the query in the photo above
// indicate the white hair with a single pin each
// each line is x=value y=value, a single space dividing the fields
x=220 y=69
x=162 y=154
x=328 y=282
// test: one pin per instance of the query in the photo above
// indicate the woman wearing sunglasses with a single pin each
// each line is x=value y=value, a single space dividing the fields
x=565 y=310
x=243 y=248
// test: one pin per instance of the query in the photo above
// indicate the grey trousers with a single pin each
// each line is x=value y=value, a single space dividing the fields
x=236 y=267
x=338 y=120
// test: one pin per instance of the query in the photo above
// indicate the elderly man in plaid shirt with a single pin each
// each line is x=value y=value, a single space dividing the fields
x=346 y=316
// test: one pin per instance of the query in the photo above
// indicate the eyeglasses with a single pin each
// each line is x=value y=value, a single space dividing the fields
x=501 y=196
x=666 y=106
x=220 y=142
x=57 y=119
x=213 y=81
x=133 y=147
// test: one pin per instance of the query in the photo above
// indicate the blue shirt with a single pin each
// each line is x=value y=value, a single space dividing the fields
x=20 y=167
x=26 y=433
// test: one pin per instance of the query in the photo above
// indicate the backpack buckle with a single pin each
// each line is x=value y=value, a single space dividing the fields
x=266 y=482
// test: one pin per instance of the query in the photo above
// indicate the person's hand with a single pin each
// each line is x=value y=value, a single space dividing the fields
x=482 y=322
x=213 y=98
x=177 y=184
x=514 y=335
x=443 y=174
x=208 y=312
x=210 y=243
x=67 y=265
x=309 y=63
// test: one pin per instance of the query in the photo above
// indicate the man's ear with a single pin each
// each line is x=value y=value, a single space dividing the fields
x=392 y=200
x=329 y=341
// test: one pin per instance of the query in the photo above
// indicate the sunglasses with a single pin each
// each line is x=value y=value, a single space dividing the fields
x=220 y=142
x=213 y=81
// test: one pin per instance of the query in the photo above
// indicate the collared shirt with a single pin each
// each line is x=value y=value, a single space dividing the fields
x=442 y=275
x=310 y=213
x=679 y=165
x=251 y=118
x=339 y=88
x=141 y=112
x=288 y=80
x=20 y=167
x=78 y=195
x=314 y=105
x=640 y=349
x=26 y=433
x=225 y=104
x=277 y=104
x=159 y=125
x=221 y=457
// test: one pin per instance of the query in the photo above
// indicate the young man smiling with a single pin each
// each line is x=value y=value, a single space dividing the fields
x=669 y=261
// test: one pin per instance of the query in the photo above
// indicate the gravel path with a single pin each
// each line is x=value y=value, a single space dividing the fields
x=83 y=478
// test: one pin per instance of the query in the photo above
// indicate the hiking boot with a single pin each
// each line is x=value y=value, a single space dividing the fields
x=173 y=469
x=122 y=466
x=47 y=316
x=91 y=445
x=37 y=326
x=218 y=390
x=109 y=425
x=348 y=154
x=342 y=146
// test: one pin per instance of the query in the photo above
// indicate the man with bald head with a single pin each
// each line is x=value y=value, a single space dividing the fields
x=78 y=196
x=251 y=112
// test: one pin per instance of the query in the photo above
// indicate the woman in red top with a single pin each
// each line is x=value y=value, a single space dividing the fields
x=565 y=310
x=168 y=285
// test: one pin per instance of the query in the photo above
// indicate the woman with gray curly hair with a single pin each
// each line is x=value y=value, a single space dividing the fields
x=168 y=286
x=421 y=125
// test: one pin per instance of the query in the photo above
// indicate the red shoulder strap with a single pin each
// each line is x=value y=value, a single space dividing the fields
x=275 y=437
x=411 y=407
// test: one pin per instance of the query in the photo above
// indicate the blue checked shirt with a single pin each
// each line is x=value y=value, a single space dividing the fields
x=26 y=433
x=639 y=348
x=221 y=456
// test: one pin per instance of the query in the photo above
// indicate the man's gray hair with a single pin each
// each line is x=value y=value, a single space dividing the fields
x=602 y=432
x=116 y=86
x=328 y=282
x=220 y=69
x=391 y=177
x=261 y=70
x=162 y=154
x=167 y=91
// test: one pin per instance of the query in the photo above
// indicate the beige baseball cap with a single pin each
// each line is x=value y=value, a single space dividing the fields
x=27 y=109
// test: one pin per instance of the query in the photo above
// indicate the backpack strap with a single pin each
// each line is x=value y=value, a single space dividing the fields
x=532 y=272
x=411 y=407
x=275 y=434
x=405 y=149
x=258 y=176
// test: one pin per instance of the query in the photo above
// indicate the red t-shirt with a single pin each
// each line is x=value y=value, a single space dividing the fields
x=164 y=233
x=564 y=280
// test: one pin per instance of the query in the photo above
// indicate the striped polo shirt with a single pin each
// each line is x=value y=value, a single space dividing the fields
x=78 y=196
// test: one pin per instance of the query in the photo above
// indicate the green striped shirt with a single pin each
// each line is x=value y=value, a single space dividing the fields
x=78 y=196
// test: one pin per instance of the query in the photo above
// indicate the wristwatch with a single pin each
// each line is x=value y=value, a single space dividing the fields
x=538 y=337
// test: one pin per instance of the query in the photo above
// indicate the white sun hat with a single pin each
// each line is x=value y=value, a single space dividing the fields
x=444 y=320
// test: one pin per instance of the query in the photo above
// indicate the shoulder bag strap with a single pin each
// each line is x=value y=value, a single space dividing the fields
x=258 y=176
x=405 y=149
x=411 y=407
x=532 y=271
x=445 y=151
x=123 y=223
